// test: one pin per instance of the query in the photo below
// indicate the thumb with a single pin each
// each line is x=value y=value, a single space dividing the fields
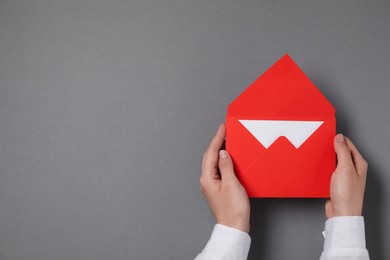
x=226 y=166
x=342 y=150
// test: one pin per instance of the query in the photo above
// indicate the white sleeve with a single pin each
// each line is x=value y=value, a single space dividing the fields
x=226 y=243
x=344 y=239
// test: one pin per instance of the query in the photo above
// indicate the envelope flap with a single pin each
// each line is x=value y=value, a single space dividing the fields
x=282 y=92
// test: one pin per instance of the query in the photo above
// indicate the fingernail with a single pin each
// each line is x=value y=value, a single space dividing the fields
x=340 y=138
x=223 y=154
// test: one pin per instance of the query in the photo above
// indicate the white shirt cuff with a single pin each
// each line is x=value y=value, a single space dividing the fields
x=226 y=243
x=345 y=239
x=344 y=232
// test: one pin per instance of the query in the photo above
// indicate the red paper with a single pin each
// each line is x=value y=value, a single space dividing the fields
x=280 y=134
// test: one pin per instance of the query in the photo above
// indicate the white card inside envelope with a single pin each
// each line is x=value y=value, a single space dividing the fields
x=267 y=131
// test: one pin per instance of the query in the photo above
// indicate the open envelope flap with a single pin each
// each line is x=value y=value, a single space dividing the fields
x=282 y=92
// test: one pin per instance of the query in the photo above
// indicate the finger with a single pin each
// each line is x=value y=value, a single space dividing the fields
x=226 y=167
x=357 y=159
x=210 y=172
x=342 y=150
x=211 y=155
x=218 y=139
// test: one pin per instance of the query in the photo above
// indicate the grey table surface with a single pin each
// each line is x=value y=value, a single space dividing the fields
x=106 y=108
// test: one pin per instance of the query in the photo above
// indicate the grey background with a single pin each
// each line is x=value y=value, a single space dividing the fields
x=106 y=108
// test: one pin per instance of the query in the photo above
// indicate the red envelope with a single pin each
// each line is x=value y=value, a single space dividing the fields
x=280 y=134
